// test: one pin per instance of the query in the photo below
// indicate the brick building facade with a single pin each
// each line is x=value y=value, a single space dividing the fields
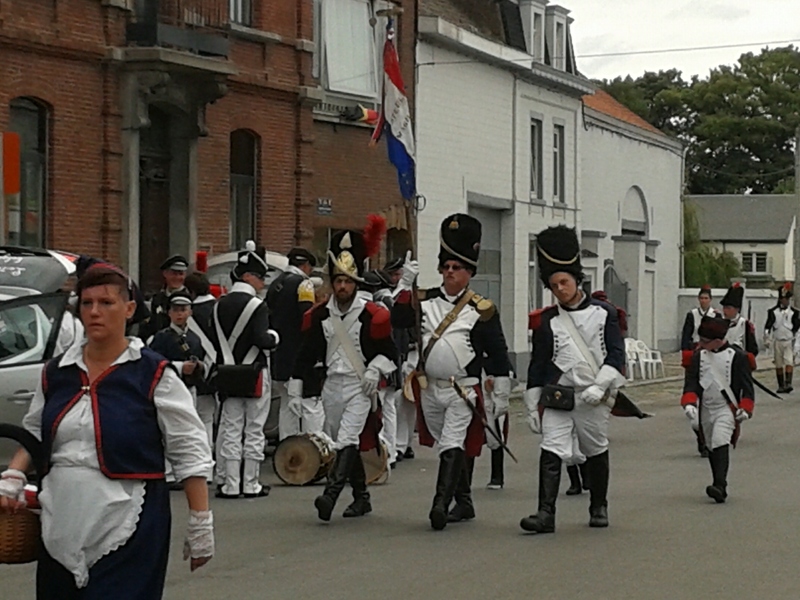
x=150 y=127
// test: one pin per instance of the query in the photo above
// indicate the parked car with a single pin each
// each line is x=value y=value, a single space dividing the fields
x=220 y=266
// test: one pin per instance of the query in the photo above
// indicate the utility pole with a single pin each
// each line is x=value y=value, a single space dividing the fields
x=797 y=213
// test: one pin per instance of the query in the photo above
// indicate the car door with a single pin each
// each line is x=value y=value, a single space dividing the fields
x=29 y=329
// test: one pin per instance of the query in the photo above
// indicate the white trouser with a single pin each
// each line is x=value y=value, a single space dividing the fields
x=346 y=409
x=406 y=421
x=576 y=434
x=389 y=430
x=718 y=425
x=290 y=424
x=497 y=425
x=206 y=406
x=243 y=417
x=447 y=416
x=782 y=353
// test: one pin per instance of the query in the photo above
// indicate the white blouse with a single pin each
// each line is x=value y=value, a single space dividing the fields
x=86 y=515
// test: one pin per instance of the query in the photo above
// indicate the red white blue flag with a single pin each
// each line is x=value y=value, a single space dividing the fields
x=395 y=119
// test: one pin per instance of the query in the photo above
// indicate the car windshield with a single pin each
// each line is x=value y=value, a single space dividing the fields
x=34 y=271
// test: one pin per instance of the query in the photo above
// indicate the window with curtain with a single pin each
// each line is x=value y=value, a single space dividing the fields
x=26 y=220
x=349 y=46
x=244 y=184
x=241 y=12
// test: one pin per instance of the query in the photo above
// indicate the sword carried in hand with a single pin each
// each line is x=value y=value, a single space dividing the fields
x=463 y=395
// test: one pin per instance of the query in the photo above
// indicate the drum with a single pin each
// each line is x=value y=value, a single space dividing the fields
x=376 y=465
x=303 y=459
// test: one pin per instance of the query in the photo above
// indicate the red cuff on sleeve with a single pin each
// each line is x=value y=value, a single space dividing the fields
x=686 y=358
x=747 y=404
x=752 y=360
x=381 y=326
x=404 y=297
x=688 y=398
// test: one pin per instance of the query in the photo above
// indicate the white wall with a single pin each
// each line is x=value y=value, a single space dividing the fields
x=779 y=257
x=613 y=160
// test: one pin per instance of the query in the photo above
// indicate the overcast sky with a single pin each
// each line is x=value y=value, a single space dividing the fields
x=606 y=26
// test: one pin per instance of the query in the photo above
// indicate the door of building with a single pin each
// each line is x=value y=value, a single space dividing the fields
x=154 y=199
x=489 y=278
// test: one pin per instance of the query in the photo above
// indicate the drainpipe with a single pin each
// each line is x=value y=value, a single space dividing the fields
x=682 y=246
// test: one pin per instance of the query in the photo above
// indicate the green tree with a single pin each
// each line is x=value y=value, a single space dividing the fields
x=704 y=263
x=738 y=123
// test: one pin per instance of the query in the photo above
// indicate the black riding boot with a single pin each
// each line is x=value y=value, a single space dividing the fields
x=701 y=444
x=544 y=521
x=781 y=381
x=342 y=467
x=497 y=479
x=584 y=476
x=575 y=486
x=720 y=460
x=358 y=480
x=464 y=510
x=451 y=464
x=598 y=469
x=789 y=372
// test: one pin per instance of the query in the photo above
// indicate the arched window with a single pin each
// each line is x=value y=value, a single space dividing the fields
x=26 y=220
x=244 y=183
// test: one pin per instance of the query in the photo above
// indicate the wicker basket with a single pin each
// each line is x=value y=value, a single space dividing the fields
x=19 y=537
x=20 y=532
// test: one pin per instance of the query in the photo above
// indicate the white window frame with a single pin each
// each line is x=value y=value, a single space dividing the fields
x=241 y=12
x=559 y=163
x=753 y=257
x=537 y=159
x=324 y=13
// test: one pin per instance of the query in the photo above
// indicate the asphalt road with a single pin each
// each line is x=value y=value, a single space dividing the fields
x=667 y=540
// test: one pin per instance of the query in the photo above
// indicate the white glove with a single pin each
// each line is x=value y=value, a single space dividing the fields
x=742 y=415
x=369 y=385
x=531 y=398
x=593 y=395
x=199 y=542
x=410 y=273
x=691 y=413
x=12 y=484
x=500 y=396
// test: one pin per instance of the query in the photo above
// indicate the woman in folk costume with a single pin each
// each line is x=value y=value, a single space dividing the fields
x=741 y=332
x=461 y=338
x=783 y=323
x=576 y=367
x=352 y=337
x=109 y=412
x=717 y=397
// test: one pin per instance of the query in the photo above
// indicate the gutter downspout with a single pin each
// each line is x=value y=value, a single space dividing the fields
x=682 y=246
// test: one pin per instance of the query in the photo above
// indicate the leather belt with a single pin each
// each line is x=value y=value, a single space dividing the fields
x=466 y=382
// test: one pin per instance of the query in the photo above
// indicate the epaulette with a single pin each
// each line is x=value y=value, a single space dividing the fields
x=485 y=307
x=308 y=316
x=422 y=294
x=381 y=324
x=535 y=318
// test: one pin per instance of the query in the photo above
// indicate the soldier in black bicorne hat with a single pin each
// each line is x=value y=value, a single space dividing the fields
x=461 y=339
x=576 y=367
x=742 y=333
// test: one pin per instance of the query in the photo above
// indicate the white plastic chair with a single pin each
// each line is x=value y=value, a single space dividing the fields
x=632 y=359
x=650 y=360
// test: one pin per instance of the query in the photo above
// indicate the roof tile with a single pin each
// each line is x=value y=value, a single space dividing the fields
x=605 y=103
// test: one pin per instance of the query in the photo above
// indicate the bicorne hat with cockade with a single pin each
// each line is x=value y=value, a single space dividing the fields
x=349 y=250
x=460 y=239
x=347 y=255
x=733 y=297
x=558 y=251
x=785 y=291
x=250 y=260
